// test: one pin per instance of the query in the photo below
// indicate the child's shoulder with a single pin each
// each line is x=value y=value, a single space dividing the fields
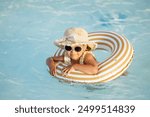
x=90 y=59
x=89 y=54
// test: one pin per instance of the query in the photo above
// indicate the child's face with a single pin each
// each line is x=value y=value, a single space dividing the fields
x=75 y=51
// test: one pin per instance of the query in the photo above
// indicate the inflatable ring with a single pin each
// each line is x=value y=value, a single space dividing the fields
x=113 y=67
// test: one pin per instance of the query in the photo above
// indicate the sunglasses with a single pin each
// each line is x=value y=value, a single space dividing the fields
x=77 y=48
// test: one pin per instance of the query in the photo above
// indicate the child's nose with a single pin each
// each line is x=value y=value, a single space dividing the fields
x=73 y=51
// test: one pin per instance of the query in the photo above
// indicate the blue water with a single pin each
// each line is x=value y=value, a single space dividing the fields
x=29 y=27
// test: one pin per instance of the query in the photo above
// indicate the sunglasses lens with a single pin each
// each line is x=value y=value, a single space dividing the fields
x=77 y=49
x=68 y=48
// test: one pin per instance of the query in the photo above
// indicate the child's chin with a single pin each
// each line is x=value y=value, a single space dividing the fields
x=74 y=58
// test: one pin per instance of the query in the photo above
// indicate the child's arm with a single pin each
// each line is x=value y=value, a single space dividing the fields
x=52 y=63
x=90 y=66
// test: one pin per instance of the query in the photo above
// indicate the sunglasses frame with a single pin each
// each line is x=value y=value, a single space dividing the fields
x=73 y=48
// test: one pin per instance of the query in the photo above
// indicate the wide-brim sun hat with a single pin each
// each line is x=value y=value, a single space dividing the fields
x=75 y=36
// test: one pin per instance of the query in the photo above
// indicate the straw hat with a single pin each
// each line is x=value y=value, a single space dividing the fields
x=75 y=36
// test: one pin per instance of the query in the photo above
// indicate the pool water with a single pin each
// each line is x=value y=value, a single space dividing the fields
x=29 y=27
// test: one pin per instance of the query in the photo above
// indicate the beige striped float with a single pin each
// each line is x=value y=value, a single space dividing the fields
x=114 y=66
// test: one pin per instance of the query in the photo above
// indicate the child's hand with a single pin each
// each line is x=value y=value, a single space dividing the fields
x=67 y=70
x=53 y=70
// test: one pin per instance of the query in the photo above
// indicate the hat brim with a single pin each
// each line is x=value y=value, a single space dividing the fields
x=61 y=43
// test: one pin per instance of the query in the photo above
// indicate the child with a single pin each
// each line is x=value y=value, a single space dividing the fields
x=78 y=53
